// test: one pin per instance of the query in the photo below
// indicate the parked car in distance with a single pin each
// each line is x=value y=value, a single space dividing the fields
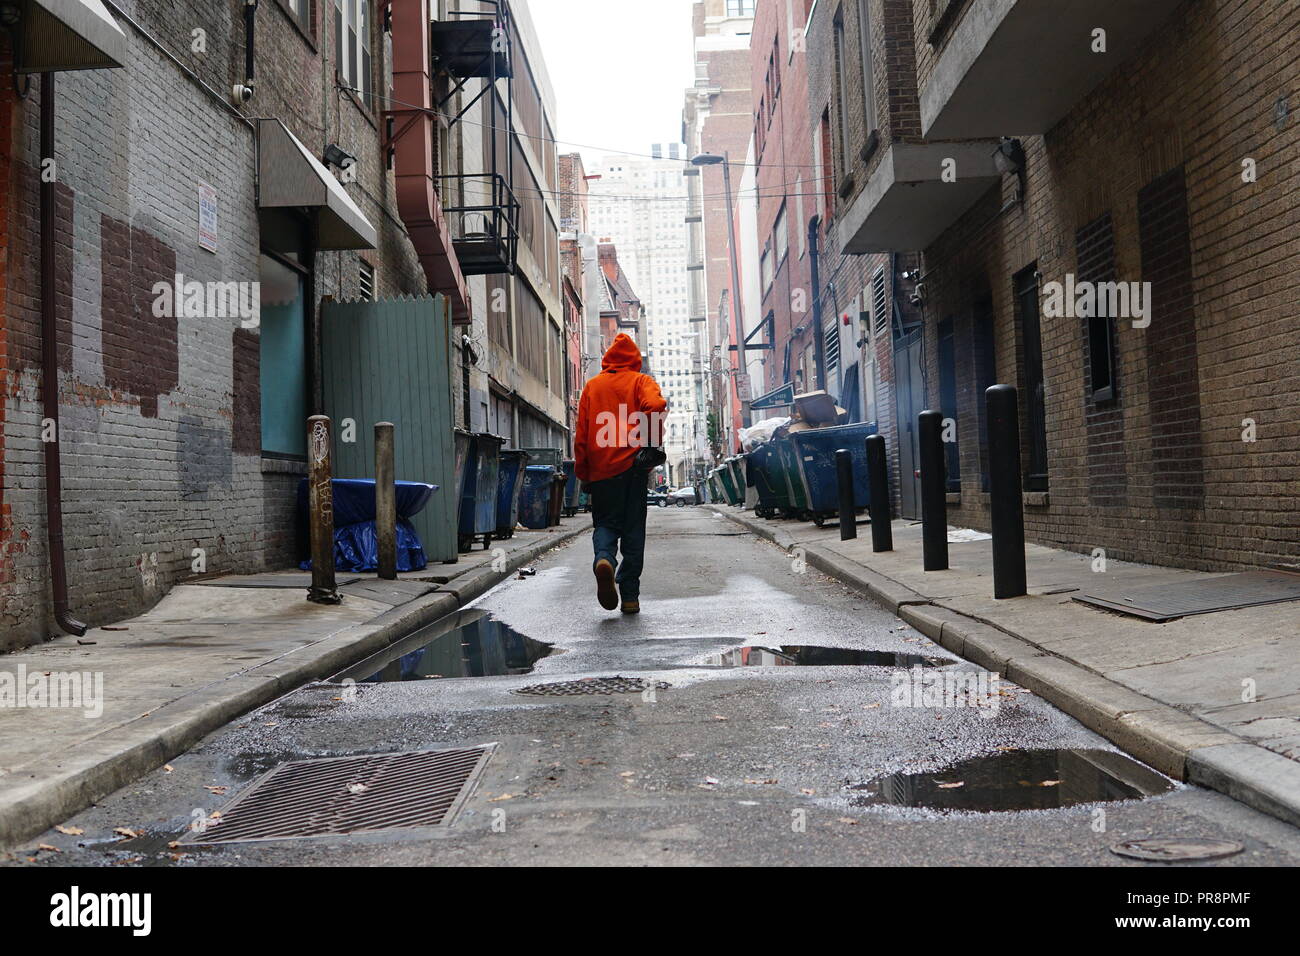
x=682 y=497
x=659 y=498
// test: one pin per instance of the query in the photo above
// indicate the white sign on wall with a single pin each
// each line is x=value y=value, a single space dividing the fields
x=207 y=217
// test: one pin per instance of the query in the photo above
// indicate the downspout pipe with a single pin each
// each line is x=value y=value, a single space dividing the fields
x=50 y=376
x=819 y=334
x=243 y=92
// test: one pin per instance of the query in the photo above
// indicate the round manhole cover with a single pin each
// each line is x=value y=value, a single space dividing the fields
x=1176 y=849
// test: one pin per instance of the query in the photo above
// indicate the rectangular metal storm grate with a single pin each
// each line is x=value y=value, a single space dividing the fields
x=1167 y=602
x=336 y=796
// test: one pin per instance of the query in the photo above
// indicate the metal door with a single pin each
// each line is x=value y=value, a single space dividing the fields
x=909 y=393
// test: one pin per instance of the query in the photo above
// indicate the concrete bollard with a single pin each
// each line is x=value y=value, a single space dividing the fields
x=934 y=491
x=1006 y=501
x=844 y=480
x=882 y=506
x=385 y=501
x=320 y=511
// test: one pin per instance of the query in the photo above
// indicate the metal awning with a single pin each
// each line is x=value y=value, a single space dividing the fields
x=56 y=35
x=288 y=176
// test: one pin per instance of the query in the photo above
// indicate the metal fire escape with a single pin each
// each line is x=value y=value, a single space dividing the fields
x=485 y=224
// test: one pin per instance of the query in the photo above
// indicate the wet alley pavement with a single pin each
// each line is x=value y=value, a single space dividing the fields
x=749 y=730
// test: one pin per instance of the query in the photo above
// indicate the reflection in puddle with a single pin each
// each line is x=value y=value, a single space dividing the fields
x=468 y=644
x=1018 y=780
x=807 y=655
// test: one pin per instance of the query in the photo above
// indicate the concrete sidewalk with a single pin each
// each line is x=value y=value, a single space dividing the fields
x=1171 y=694
x=205 y=654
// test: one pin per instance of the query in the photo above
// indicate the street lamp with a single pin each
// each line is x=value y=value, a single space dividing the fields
x=713 y=159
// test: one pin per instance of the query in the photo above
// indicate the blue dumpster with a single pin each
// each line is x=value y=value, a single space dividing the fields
x=356 y=545
x=509 y=486
x=814 y=452
x=535 y=497
x=570 y=487
x=478 y=501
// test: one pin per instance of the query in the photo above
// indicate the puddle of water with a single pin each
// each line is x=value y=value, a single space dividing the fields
x=808 y=655
x=1018 y=780
x=468 y=644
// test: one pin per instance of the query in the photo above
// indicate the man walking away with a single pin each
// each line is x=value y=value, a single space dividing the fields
x=619 y=419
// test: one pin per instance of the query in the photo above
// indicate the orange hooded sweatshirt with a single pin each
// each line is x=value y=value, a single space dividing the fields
x=619 y=413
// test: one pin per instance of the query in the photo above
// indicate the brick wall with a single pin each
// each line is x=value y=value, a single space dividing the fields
x=779 y=85
x=160 y=437
x=844 y=277
x=1142 y=181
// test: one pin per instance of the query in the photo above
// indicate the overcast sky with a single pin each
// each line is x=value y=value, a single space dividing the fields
x=620 y=69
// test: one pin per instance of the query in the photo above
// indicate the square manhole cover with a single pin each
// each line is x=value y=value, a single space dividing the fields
x=336 y=796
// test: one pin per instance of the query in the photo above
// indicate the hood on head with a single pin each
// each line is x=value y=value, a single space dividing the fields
x=623 y=354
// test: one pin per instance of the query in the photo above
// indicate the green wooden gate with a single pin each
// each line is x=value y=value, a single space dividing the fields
x=390 y=361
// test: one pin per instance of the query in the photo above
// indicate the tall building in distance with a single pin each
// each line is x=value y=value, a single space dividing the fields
x=639 y=204
x=717 y=120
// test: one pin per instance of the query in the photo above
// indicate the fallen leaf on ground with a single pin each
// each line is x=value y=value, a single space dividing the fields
x=70 y=831
x=217 y=790
x=47 y=848
x=168 y=769
x=807 y=790
x=504 y=796
x=952 y=786
x=849 y=820
x=763 y=782
x=1049 y=783
x=628 y=773
x=719 y=717
x=129 y=834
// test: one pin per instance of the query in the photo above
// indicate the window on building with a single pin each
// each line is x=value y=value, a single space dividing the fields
x=781 y=236
x=767 y=269
x=301 y=10
x=1095 y=252
x=822 y=159
x=352 y=46
x=948 y=399
x=868 y=75
x=740 y=8
x=841 y=167
x=366 y=281
x=880 y=302
x=283 y=355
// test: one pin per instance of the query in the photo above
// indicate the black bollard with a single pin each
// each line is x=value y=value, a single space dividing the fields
x=934 y=491
x=1006 y=503
x=848 y=506
x=882 y=507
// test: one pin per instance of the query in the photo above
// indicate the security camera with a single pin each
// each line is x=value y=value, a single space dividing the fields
x=918 y=296
x=241 y=93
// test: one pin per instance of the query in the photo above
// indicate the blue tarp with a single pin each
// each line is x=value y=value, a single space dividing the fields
x=356 y=547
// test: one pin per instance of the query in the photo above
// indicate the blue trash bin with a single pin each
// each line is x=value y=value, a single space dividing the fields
x=478 y=502
x=356 y=544
x=814 y=452
x=535 y=497
x=571 y=484
x=510 y=484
